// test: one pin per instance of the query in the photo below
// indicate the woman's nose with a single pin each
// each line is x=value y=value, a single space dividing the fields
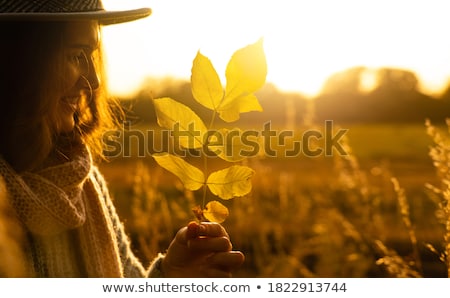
x=91 y=80
x=88 y=75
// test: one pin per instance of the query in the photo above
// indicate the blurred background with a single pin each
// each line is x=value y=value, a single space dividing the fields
x=379 y=69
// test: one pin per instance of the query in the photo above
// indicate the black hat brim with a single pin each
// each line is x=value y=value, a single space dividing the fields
x=102 y=16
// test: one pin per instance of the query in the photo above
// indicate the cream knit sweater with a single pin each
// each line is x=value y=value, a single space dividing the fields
x=72 y=228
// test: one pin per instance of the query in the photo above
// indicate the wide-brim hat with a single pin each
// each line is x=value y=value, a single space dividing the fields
x=66 y=10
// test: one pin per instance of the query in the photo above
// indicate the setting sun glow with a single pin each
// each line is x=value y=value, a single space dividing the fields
x=305 y=41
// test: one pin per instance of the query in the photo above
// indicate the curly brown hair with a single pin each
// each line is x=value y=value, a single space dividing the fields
x=31 y=75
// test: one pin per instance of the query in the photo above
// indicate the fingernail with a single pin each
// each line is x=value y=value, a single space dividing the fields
x=202 y=230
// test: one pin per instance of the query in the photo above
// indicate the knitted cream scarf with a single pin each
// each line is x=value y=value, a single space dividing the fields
x=59 y=201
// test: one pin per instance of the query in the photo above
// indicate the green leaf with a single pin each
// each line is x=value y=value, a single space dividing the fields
x=187 y=128
x=191 y=177
x=231 y=182
x=215 y=212
x=205 y=83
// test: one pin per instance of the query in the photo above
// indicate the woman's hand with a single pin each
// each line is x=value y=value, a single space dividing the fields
x=201 y=250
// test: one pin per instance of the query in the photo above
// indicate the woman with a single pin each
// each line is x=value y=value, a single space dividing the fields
x=53 y=113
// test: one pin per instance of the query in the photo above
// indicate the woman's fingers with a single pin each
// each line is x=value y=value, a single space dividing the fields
x=223 y=264
x=205 y=229
x=201 y=249
x=207 y=244
x=226 y=260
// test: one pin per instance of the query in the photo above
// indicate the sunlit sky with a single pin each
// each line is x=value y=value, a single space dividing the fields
x=304 y=41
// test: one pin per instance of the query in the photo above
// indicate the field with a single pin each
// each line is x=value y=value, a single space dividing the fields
x=324 y=216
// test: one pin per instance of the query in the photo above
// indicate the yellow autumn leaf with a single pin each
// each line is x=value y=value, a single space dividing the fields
x=191 y=177
x=247 y=70
x=245 y=73
x=246 y=103
x=187 y=127
x=205 y=83
x=215 y=212
x=231 y=182
x=233 y=145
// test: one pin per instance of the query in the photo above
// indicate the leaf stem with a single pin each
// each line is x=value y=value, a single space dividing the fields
x=205 y=170
x=205 y=161
x=213 y=118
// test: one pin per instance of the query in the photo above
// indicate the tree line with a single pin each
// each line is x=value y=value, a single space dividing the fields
x=388 y=95
x=395 y=96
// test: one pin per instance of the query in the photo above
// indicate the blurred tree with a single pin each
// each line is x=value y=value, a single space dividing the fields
x=394 y=98
x=398 y=99
x=445 y=96
x=344 y=82
x=396 y=80
x=341 y=98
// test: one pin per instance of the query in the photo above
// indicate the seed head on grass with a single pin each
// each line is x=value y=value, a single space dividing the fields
x=440 y=155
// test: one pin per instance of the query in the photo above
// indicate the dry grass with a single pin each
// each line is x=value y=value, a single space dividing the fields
x=317 y=217
x=322 y=217
x=440 y=154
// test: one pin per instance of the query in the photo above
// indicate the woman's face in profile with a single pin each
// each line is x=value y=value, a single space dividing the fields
x=80 y=78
